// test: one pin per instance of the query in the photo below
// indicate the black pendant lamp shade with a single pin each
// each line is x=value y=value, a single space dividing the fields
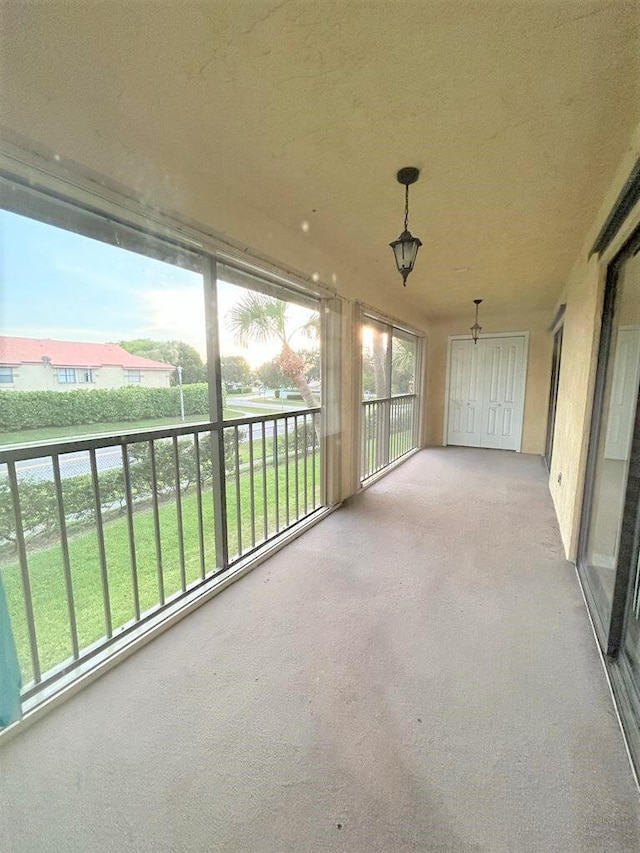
x=405 y=248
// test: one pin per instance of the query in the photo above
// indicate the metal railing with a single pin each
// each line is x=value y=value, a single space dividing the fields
x=99 y=535
x=389 y=431
x=280 y=469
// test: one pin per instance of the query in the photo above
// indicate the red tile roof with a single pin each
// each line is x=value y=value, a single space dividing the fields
x=73 y=354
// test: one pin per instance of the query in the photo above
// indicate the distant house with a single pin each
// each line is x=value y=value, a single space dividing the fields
x=36 y=364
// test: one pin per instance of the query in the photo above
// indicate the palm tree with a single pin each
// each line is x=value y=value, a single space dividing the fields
x=261 y=319
x=403 y=366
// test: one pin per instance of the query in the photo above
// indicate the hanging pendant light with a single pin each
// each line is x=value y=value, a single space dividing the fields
x=476 y=328
x=405 y=248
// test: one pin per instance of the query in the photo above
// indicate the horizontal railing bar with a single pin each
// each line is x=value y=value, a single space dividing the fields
x=258 y=419
x=393 y=399
x=19 y=452
x=35 y=451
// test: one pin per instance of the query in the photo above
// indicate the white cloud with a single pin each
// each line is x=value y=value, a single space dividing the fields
x=175 y=313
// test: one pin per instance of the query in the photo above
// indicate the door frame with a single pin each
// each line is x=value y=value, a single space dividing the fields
x=525 y=365
x=609 y=630
x=556 y=360
x=362 y=313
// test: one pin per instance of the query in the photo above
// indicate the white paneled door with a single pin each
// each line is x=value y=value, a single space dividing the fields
x=465 y=395
x=486 y=392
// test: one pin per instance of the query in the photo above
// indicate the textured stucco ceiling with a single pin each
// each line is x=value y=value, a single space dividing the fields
x=516 y=112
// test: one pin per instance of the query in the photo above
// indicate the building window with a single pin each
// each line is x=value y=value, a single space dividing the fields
x=66 y=375
x=6 y=375
x=134 y=377
x=85 y=375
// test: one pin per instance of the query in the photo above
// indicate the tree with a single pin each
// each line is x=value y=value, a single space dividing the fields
x=374 y=362
x=311 y=358
x=171 y=352
x=235 y=369
x=262 y=318
x=271 y=375
x=403 y=366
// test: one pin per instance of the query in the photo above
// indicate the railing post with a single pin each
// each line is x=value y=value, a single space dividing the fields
x=214 y=377
x=330 y=418
x=24 y=571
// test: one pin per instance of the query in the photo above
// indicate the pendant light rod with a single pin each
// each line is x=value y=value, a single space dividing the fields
x=476 y=328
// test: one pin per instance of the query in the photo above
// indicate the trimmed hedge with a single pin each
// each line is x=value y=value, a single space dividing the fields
x=33 y=409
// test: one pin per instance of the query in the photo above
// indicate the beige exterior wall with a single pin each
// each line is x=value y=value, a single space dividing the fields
x=583 y=296
x=538 y=370
x=37 y=377
x=116 y=377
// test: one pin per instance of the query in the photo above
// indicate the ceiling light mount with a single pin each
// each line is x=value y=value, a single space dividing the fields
x=408 y=175
x=405 y=248
x=476 y=328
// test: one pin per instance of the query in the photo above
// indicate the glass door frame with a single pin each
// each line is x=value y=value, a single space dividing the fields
x=393 y=328
x=556 y=361
x=611 y=633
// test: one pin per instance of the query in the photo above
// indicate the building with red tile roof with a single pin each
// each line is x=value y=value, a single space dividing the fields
x=39 y=364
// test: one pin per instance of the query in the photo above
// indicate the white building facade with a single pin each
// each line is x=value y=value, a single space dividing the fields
x=36 y=364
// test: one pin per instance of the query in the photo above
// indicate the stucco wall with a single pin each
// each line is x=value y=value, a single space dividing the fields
x=116 y=377
x=583 y=296
x=538 y=370
x=37 y=377
x=34 y=377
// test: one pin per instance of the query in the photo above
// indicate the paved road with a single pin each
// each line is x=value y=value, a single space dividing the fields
x=249 y=404
x=107 y=458
x=71 y=464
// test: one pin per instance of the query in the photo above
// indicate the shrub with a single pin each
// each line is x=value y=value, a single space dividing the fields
x=33 y=409
x=38 y=502
x=307 y=438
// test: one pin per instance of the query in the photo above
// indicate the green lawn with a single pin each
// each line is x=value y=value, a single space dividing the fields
x=400 y=442
x=277 y=402
x=46 y=566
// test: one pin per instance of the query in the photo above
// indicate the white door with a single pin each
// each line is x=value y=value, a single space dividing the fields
x=503 y=396
x=465 y=395
x=486 y=392
x=624 y=391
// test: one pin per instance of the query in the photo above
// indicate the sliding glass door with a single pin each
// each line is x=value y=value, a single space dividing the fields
x=161 y=418
x=609 y=541
x=390 y=366
x=270 y=361
x=611 y=440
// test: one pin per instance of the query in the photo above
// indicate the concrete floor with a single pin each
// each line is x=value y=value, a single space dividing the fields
x=416 y=673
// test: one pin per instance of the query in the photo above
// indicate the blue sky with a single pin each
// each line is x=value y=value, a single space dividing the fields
x=57 y=284
x=61 y=285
